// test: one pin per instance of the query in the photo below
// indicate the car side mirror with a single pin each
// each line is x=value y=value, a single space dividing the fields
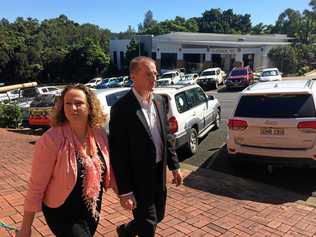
x=210 y=97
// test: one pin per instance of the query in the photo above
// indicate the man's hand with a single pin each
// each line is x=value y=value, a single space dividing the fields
x=177 y=177
x=128 y=202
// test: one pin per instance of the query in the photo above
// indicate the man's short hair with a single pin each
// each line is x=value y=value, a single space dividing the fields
x=135 y=62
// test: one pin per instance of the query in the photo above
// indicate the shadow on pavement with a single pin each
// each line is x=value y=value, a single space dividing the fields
x=249 y=182
x=27 y=131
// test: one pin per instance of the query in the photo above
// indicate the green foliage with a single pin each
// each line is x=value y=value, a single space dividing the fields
x=134 y=49
x=10 y=115
x=30 y=50
x=216 y=21
x=285 y=58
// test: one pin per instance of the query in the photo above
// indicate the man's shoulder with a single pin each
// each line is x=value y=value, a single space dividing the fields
x=123 y=101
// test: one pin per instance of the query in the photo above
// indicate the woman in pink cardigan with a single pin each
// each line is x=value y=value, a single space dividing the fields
x=70 y=167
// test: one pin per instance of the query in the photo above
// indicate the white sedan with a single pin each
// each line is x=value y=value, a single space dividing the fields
x=270 y=74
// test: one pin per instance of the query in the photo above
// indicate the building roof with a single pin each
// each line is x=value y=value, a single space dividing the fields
x=211 y=37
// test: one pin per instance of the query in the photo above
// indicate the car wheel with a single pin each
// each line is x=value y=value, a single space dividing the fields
x=193 y=142
x=217 y=122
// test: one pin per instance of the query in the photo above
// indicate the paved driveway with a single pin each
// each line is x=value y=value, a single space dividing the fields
x=208 y=204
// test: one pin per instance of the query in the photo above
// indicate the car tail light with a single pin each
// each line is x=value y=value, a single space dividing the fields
x=173 y=124
x=306 y=124
x=237 y=124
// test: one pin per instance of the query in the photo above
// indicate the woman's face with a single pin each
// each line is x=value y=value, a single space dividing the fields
x=76 y=107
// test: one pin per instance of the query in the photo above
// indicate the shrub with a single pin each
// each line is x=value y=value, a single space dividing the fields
x=10 y=115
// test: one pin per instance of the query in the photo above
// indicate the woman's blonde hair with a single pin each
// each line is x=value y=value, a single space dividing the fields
x=96 y=117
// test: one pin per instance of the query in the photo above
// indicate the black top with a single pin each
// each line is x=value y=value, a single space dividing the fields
x=75 y=208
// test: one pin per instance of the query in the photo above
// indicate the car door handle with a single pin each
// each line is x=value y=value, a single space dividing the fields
x=193 y=114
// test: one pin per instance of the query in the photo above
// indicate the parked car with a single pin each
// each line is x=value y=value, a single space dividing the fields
x=270 y=74
x=210 y=78
x=40 y=90
x=105 y=83
x=108 y=97
x=128 y=83
x=94 y=82
x=275 y=122
x=40 y=109
x=191 y=113
x=9 y=96
x=188 y=79
x=172 y=76
x=239 y=77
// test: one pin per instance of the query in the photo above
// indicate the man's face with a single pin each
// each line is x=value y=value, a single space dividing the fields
x=145 y=77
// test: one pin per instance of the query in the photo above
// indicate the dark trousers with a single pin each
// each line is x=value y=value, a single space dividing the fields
x=148 y=215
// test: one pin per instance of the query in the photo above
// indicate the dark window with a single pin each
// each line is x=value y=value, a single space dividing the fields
x=122 y=58
x=114 y=58
x=43 y=101
x=30 y=92
x=239 y=72
x=201 y=97
x=181 y=102
x=276 y=106
x=154 y=55
x=113 y=98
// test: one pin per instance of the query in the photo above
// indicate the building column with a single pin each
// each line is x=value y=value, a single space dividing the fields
x=180 y=62
x=208 y=59
x=158 y=64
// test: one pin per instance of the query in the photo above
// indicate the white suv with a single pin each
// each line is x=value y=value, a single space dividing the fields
x=191 y=113
x=169 y=78
x=275 y=120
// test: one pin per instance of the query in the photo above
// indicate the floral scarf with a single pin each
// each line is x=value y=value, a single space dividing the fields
x=92 y=171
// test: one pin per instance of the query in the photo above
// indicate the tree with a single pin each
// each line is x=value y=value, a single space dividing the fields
x=216 y=21
x=289 y=22
x=285 y=58
x=134 y=49
x=149 y=19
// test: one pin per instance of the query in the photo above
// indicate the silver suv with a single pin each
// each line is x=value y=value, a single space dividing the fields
x=191 y=113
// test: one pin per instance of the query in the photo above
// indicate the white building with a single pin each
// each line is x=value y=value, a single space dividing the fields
x=196 y=51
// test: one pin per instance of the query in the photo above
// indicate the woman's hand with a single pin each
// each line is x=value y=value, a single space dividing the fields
x=24 y=232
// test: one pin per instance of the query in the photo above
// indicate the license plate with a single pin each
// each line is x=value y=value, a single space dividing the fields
x=272 y=131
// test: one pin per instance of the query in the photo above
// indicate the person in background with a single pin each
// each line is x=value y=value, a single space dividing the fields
x=140 y=151
x=70 y=167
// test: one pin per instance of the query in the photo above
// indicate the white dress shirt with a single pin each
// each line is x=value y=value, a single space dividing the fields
x=152 y=119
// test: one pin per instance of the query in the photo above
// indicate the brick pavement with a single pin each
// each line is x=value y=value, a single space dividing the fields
x=208 y=204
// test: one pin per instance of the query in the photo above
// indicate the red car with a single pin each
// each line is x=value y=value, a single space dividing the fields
x=239 y=77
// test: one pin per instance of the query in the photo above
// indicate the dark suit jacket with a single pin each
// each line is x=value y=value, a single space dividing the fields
x=132 y=151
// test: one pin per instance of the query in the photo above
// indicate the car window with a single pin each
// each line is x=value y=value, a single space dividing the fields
x=269 y=73
x=208 y=73
x=43 y=101
x=52 y=89
x=276 y=106
x=182 y=102
x=239 y=72
x=200 y=96
x=44 y=90
x=113 y=98
x=191 y=98
x=30 y=92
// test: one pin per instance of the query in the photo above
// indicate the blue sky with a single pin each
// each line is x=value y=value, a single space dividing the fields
x=117 y=15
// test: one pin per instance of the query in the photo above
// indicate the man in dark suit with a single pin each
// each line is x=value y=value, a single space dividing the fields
x=140 y=150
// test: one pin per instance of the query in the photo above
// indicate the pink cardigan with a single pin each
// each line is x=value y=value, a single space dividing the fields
x=54 y=168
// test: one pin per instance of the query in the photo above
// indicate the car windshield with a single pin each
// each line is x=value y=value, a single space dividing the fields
x=168 y=75
x=208 y=73
x=162 y=82
x=270 y=73
x=43 y=101
x=276 y=106
x=113 y=98
x=239 y=72
x=105 y=81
